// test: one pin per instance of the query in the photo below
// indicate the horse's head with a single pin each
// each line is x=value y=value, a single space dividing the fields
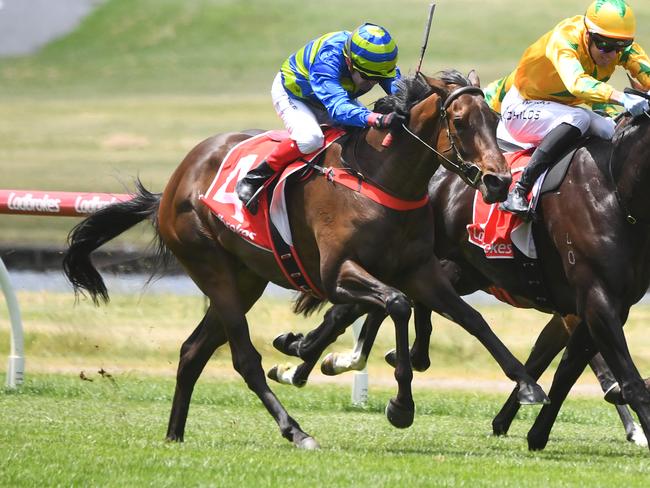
x=449 y=114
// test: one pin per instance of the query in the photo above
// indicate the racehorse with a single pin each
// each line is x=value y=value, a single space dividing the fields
x=356 y=251
x=594 y=243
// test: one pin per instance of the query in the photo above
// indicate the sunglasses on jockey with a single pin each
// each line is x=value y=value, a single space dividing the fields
x=368 y=77
x=609 y=44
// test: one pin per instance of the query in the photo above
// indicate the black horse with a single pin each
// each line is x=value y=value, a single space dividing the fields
x=594 y=243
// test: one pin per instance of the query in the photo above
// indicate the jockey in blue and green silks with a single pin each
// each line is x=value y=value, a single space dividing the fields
x=320 y=84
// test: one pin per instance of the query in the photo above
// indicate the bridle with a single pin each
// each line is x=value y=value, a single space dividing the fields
x=468 y=171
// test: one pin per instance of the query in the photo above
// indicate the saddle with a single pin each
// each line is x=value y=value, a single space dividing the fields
x=504 y=235
x=269 y=228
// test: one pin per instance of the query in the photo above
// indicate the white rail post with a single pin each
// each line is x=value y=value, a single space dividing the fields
x=16 y=363
x=360 y=379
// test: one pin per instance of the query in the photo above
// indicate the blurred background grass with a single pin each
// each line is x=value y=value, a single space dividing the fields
x=140 y=82
x=141 y=334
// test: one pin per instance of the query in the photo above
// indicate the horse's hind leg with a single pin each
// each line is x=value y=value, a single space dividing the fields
x=195 y=353
x=309 y=348
x=550 y=342
x=336 y=363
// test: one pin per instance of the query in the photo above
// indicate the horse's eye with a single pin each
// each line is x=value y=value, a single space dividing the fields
x=459 y=123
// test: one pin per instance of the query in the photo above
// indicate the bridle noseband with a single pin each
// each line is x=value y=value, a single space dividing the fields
x=469 y=172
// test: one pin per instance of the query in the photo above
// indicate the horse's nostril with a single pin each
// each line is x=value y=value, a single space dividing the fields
x=496 y=183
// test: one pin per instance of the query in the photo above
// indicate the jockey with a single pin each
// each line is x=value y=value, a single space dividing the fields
x=564 y=68
x=320 y=84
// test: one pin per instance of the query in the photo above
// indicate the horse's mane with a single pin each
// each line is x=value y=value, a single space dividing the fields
x=414 y=89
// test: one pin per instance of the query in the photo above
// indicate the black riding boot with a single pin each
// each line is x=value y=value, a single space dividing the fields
x=248 y=187
x=545 y=156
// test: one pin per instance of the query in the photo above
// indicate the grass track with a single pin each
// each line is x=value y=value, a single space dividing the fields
x=64 y=431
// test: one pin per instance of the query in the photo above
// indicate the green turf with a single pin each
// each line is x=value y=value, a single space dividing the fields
x=62 y=431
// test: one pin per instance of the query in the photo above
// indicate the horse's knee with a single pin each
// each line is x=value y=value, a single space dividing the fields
x=398 y=307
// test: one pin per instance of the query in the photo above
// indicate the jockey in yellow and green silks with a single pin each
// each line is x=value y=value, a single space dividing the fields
x=320 y=84
x=569 y=66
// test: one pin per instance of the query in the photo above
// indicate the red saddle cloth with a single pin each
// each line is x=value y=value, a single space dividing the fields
x=222 y=199
x=491 y=228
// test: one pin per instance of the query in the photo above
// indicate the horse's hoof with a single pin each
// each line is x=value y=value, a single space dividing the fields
x=277 y=374
x=391 y=358
x=532 y=394
x=174 y=438
x=499 y=428
x=327 y=366
x=637 y=437
x=614 y=395
x=272 y=374
x=399 y=417
x=283 y=341
x=308 y=443
x=536 y=444
x=420 y=368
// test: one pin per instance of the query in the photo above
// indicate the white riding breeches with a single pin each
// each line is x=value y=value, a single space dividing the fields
x=528 y=121
x=301 y=120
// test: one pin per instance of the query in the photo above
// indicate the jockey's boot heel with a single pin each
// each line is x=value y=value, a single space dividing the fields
x=249 y=187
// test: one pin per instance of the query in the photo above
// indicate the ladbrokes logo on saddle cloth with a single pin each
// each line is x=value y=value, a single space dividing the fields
x=494 y=230
x=222 y=199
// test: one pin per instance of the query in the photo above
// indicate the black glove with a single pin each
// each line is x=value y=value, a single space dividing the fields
x=390 y=121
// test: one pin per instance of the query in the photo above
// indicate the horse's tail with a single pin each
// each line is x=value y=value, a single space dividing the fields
x=99 y=228
x=307 y=304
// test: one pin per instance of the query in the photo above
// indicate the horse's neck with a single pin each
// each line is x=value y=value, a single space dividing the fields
x=630 y=164
x=404 y=169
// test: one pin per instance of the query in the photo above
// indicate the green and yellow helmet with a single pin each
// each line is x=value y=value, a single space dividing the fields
x=372 y=51
x=611 y=18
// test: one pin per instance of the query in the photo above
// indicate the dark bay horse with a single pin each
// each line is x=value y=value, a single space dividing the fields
x=358 y=252
x=594 y=243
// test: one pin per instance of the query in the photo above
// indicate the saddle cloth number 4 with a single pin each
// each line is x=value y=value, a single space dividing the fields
x=224 y=196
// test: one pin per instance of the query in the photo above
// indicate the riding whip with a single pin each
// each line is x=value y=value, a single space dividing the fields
x=388 y=140
x=425 y=40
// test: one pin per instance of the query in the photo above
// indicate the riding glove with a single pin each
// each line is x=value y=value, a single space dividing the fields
x=390 y=121
x=635 y=104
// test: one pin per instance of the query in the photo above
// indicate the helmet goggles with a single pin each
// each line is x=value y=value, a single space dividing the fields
x=608 y=44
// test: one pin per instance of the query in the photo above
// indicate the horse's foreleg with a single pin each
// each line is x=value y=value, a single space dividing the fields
x=606 y=328
x=352 y=283
x=550 y=342
x=579 y=351
x=195 y=352
x=433 y=289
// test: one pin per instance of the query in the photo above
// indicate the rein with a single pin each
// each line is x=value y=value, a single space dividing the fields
x=469 y=172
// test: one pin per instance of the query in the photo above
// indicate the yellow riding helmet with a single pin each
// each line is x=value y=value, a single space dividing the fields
x=611 y=18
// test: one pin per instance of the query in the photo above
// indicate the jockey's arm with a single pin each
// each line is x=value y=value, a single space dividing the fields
x=324 y=79
x=577 y=81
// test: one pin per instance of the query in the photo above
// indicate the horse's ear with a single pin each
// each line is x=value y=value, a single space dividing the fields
x=635 y=84
x=473 y=78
